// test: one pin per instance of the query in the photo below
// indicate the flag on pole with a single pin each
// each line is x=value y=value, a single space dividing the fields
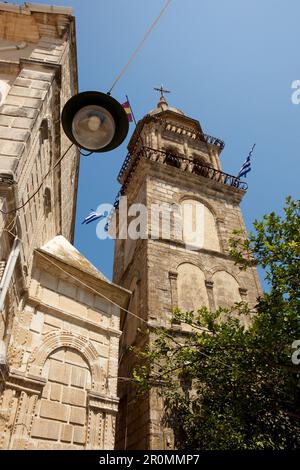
x=246 y=168
x=128 y=111
x=93 y=216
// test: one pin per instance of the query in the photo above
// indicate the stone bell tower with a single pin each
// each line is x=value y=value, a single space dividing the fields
x=172 y=163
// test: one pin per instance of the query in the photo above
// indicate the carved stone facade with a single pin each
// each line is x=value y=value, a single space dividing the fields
x=59 y=324
x=179 y=164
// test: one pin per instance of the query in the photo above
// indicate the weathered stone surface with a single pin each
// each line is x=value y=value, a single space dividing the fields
x=78 y=416
x=55 y=411
x=67 y=433
x=73 y=396
x=46 y=429
x=79 y=435
x=60 y=373
x=56 y=392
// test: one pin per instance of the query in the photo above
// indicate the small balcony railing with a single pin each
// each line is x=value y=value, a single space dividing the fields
x=177 y=161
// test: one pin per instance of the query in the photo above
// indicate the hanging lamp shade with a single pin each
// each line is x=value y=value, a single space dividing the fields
x=95 y=121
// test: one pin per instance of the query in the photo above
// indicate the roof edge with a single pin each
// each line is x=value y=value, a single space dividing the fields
x=27 y=8
x=125 y=294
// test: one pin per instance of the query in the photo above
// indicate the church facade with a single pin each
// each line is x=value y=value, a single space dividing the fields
x=60 y=317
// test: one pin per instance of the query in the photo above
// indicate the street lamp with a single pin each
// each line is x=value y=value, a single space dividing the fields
x=95 y=121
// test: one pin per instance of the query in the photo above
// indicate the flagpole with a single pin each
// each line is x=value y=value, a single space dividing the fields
x=135 y=122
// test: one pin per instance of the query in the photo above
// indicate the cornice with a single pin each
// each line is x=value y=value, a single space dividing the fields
x=47 y=261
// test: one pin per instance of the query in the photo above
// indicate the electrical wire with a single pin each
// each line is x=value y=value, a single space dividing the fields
x=139 y=46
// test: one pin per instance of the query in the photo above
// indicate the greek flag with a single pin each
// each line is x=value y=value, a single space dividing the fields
x=93 y=216
x=246 y=168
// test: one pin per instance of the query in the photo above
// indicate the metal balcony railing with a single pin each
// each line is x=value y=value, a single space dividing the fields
x=166 y=158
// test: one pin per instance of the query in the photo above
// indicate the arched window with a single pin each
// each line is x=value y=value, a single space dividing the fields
x=226 y=289
x=200 y=167
x=172 y=158
x=192 y=293
x=199 y=226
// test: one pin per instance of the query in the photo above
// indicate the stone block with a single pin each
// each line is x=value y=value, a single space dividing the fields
x=85 y=297
x=55 y=393
x=66 y=433
x=78 y=377
x=49 y=281
x=6 y=120
x=67 y=289
x=37 y=322
x=60 y=373
x=102 y=305
x=75 y=358
x=78 y=416
x=9 y=148
x=22 y=123
x=8 y=162
x=8 y=133
x=53 y=410
x=72 y=306
x=23 y=102
x=46 y=58
x=79 y=435
x=45 y=429
x=53 y=321
x=35 y=75
x=26 y=92
x=73 y=396
x=93 y=316
x=58 y=355
x=17 y=111
x=46 y=391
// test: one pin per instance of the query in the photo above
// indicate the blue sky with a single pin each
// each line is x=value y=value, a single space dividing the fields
x=230 y=64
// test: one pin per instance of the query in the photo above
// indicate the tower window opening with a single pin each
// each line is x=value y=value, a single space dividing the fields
x=172 y=159
x=47 y=202
x=200 y=167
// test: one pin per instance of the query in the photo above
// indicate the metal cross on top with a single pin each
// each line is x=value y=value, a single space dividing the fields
x=162 y=91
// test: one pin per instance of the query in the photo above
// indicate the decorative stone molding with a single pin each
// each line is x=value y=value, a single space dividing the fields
x=243 y=291
x=173 y=275
x=103 y=403
x=209 y=284
x=56 y=340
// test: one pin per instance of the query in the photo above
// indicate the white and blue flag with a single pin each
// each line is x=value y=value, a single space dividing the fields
x=246 y=168
x=93 y=216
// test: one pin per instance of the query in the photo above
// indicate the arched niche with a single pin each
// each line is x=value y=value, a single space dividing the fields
x=192 y=293
x=61 y=417
x=226 y=289
x=58 y=340
x=199 y=226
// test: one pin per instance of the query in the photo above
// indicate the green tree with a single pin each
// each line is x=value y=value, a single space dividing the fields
x=230 y=383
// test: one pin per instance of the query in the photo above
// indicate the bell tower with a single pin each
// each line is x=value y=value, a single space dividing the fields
x=173 y=169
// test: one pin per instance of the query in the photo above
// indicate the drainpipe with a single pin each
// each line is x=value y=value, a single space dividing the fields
x=4 y=286
x=14 y=47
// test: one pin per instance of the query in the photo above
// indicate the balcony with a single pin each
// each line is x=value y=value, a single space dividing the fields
x=177 y=161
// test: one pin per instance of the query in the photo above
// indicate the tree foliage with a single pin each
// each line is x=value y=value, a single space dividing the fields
x=230 y=383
